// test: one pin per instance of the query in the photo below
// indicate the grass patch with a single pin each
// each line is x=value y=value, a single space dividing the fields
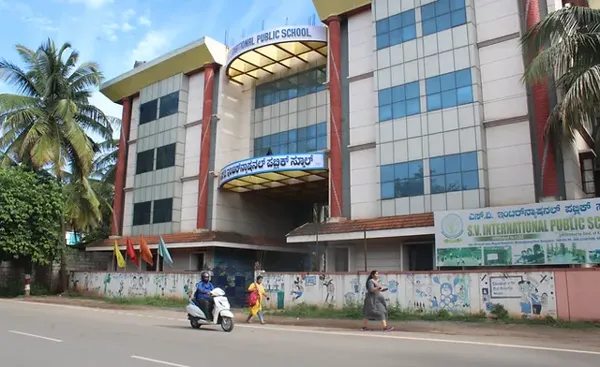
x=396 y=313
x=137 y=301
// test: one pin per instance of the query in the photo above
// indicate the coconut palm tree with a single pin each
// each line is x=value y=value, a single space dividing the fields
x=47 y=122
x=565 y=45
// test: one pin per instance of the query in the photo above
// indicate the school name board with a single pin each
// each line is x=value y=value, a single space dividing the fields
x=563 y=232
x=272 y=163
x=279 y=35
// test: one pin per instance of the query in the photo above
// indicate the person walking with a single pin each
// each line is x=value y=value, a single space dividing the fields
x=375 y=307
x=257 y=292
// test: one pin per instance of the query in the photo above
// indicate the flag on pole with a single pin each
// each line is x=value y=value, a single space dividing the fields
x=131 y=252
x=145 y=253
x=163 y=251
x=119 y=256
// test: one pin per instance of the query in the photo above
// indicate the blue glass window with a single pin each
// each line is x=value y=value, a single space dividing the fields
x=297 y=85
x=456 y=172
x=396 y=29
x=442 y=15
x=400 y=180
x=449 y=90
x=302 y=140
x=399 y=101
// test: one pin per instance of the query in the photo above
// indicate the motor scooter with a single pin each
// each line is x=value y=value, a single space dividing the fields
x=221 y=313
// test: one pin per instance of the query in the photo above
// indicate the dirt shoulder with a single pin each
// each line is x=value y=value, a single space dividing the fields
x=588 y=336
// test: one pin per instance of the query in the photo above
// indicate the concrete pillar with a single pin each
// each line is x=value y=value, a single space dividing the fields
x=207 y=113
x=541 y=112
x=116 y=225
x=335 y=121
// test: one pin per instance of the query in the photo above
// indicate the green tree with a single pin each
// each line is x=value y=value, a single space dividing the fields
x=47 y=122
x=31 y=213
x=565 y=45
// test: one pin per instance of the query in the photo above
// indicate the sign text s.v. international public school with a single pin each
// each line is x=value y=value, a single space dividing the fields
x=278 y=35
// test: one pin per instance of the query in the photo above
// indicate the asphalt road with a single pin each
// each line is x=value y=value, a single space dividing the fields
x=64 y=336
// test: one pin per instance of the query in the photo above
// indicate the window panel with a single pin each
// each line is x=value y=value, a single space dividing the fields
x=148 y=111
x=434 y=102
x=442 y=7
x=169 y=104
x=401 y=172
x=163 y=211
x=456 y=172
x=322 y=129
x=457 y=4
x=396 y=29
x=142 y=213
x=165 y=156
x=442 y=15
x=145 y=162
x=405 y=101
x=293 y=86
x=387 y=190
x=322 y=142
x=456 y=90
x=395 y=22
x=402 y=180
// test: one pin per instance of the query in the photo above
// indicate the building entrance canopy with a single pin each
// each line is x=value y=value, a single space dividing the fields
x=270 y=52
x=273 y=171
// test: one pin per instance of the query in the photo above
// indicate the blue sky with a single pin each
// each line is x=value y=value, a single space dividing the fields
x=115 y=33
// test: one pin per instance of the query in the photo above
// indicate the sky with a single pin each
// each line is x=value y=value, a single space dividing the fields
x=116 y=33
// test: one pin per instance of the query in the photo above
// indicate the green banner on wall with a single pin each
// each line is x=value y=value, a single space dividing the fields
x=564 y=232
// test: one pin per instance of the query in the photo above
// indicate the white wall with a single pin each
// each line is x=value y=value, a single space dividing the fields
x=496 y=18
x=247 y=213
x=572 y=168
x=504 y=93
x=195 y=98
x=505 y=106
x=510 y=167
x=131 y=166
x=430 y=134
x=364 y=171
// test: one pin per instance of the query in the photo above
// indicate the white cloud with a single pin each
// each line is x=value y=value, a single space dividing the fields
x=126 y=27
x=109 y=31
x=145 y=21
x=154 y=44
x=128 y=14
x=28 y=14
x=106 y=105
x=91 y=3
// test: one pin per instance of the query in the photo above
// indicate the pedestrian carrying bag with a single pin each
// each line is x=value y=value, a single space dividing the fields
x=253 y=296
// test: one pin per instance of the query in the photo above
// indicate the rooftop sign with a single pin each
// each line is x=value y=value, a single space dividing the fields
x=278 y=35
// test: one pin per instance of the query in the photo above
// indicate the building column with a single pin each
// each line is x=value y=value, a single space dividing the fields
x=335 y=117
x=541 y=111
x=116 y=225
x=203 y=177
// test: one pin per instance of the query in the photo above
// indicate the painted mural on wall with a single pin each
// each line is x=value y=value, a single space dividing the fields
x=525 y=294
x=529 y=294
x=134 y=284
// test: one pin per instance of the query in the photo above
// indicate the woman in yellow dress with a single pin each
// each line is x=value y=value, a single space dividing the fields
x=257 y=308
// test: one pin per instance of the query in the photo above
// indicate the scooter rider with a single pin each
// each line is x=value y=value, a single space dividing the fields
x=203 y=298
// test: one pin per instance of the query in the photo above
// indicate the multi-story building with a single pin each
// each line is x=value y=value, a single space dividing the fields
x=345 y=139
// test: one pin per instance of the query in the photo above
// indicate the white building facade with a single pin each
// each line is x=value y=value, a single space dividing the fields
x=338 y=143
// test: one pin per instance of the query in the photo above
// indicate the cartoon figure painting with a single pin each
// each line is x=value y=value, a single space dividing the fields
x=298 y=288
x=328 y=284
x=531 y=302
x=445 y=291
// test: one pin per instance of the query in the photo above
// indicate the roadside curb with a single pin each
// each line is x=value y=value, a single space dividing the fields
x=483 y=329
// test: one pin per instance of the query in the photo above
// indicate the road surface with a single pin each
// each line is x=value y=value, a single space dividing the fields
x=33 y=334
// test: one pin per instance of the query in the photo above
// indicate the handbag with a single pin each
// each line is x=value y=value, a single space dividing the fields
x=253 y=296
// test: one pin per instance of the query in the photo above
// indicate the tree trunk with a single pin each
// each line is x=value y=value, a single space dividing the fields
x=64 y=277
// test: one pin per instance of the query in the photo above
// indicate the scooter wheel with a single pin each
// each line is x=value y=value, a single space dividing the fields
x=227 y=324
x=195 y=324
